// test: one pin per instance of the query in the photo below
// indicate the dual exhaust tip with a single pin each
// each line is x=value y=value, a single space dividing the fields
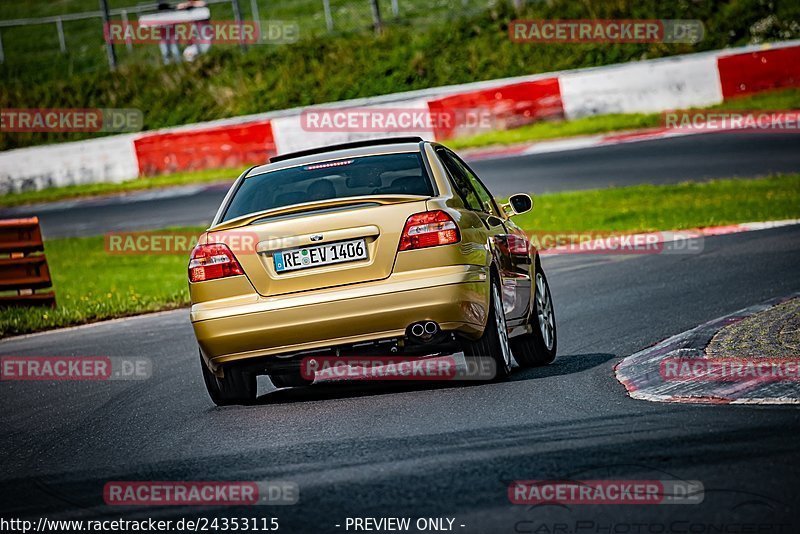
x=424 y=329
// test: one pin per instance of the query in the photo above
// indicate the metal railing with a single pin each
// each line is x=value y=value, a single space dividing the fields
x=313 y=17
x=103 y=15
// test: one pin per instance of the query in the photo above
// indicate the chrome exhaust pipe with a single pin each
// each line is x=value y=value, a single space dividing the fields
x=424 y=330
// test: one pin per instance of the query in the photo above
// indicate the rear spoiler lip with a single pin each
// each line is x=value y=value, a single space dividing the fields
x=346 y=146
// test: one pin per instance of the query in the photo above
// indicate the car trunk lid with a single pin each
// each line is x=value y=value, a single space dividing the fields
x=271 y=244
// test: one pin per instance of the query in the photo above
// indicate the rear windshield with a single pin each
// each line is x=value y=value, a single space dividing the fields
x=402 y=174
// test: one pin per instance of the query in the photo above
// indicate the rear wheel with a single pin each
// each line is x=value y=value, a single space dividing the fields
x=494 y=342
x=538 y=347
x=236 y=387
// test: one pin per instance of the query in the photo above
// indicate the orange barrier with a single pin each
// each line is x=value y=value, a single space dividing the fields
x=22 y=268
x=229 y=146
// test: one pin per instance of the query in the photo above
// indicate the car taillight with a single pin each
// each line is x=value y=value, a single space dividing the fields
x=429 y=229
x=209 y=262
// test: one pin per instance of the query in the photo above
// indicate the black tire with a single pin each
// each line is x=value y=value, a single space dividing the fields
x=492 y=342
x=539 y=347
x=289 y=379
x=236 y=387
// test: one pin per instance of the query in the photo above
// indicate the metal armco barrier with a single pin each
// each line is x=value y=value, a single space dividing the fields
x=22 y=269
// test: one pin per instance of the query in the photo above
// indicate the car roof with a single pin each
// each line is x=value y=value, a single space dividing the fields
x=356 y=149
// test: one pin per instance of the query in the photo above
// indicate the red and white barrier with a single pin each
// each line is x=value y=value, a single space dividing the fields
x=508 y=106
x=759 y=70
x=227 y=146
x=107 y=159
x=642 y=87
x=693 y=80
x=292 y=135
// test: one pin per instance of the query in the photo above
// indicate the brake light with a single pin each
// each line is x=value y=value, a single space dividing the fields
x=429 y=229
x=212 y=261
x=327 y=165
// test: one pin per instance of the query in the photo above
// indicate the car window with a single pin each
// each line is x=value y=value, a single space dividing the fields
x=460 y=182
x=476 y=185
x=386 y=174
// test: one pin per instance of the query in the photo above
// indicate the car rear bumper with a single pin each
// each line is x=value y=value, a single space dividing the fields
x=454 y=296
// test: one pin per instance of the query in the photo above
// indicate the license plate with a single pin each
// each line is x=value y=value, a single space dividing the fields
x=306 y=257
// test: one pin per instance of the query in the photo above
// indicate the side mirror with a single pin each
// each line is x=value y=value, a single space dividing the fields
x=520 y=203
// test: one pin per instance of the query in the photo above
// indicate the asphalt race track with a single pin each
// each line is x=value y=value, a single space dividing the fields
x=433 y=450
x=696 y=157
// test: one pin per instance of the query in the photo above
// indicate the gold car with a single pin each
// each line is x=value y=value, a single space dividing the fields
x=389 y=246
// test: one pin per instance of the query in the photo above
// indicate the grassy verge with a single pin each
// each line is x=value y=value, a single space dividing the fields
x=541 y=131
x=667 y=207
x=93 y=190
x=773 y=100
x=92 y=285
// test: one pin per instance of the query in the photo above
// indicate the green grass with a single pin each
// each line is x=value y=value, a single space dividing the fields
x=92 y=190
x=667 y=207
x=92 y=285
x=558 y=129
x=459 y=46
x=41 y=56
x=781 y=99
x=771 y=100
